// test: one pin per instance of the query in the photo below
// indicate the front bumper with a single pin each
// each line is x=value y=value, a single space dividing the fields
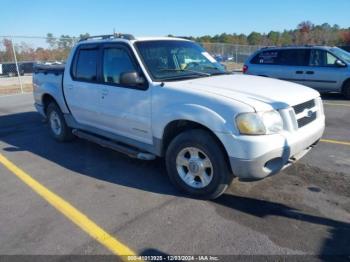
x=254 y=158
x=267 y=165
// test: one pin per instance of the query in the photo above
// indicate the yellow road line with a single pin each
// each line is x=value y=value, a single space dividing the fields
x=336 y=104
x=70 y=212
x=335 y=142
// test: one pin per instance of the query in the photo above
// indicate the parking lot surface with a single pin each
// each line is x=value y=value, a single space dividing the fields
x=305 y=210
x=11 y=81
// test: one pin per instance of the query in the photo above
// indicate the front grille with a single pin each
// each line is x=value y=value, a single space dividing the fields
x=303 y=119
x=301 y=107
x=306 y=120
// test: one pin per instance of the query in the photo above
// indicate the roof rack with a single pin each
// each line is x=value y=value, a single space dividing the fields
x=113 y=36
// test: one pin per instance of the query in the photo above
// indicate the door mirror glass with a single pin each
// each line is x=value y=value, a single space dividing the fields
x=340 y=63
x=131 y=79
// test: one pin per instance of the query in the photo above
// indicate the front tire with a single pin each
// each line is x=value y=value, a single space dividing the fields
x=197 y=165
x=57 y=124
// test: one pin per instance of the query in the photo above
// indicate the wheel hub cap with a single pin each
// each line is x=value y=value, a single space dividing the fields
x=55 y=123
x=194 y=167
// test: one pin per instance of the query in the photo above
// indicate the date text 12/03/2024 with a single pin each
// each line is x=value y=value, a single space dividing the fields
x=173 y=258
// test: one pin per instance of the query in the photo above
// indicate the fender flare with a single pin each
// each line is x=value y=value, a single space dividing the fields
x=55 y=92
x=190 y=112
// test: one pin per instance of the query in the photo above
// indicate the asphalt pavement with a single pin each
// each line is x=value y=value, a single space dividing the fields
x=305 y=210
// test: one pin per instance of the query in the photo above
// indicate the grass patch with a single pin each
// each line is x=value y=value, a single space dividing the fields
x=15 y=89
x=232 y=66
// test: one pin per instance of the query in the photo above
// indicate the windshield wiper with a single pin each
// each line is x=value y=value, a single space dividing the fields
x=222 y=73
x=218 y=69
x=184 y=70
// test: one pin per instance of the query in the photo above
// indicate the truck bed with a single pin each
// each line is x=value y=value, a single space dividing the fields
x=49 y=69
x=47 y=79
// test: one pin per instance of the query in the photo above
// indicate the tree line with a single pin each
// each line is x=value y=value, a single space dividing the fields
x=306 y=33
x=57 y=49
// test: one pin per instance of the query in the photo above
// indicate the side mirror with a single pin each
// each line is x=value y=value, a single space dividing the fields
x=131 y=79
x=340 y=63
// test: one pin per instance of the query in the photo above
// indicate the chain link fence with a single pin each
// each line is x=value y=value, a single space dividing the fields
x=19 y=55
x=232 y=56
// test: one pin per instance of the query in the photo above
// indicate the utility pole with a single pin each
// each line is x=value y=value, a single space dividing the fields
x=17 y=67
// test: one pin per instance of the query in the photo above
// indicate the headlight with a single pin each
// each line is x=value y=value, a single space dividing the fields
x=273 y=122
x=250 y=124
x=262 y=123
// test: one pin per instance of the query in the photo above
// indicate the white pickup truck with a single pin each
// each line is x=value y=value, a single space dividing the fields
x=167 y=97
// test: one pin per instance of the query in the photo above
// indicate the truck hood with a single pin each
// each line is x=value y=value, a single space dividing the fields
x=259 y=92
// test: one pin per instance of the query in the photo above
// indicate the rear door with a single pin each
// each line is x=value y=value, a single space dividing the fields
x=125 y=110
x=323 y=74
x=81 y=87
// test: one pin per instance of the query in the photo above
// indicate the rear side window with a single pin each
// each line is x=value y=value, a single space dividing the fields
x=266 y=58
x=290 y=57
x=294 y=57
x=86 y=67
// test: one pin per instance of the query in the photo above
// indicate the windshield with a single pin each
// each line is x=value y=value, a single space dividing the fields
x=342 y=54
x=176 y=59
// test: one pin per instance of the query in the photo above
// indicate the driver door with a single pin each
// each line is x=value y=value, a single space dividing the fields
x=125 y=110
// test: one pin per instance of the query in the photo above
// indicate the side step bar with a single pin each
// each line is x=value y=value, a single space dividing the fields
x=121 y=148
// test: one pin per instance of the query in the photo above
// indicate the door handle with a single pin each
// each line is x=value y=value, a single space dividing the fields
x=310 y=72
x=70 y=86
x=299 y=72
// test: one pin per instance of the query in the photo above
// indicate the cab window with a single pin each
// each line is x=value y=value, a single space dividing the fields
x=86 y=65
x=115 y=62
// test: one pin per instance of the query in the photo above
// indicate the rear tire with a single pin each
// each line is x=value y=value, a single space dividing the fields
x=57 y=124
x=197 y=165
x=346 y=90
